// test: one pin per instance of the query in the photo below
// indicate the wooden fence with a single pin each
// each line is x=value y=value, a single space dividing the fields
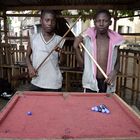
x=128 y=81
x=12 y=67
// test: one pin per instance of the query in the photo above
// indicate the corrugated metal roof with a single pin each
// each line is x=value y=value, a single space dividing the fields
x=69 y=4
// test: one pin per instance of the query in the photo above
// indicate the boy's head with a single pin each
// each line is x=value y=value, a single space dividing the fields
x=102 y=20
x=45 y=11
x=48 y=21
x=103 y=11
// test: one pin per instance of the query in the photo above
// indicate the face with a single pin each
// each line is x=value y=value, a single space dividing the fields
x=102 y=23
x=48 y=23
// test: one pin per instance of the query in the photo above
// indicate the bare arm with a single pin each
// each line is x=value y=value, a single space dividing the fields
x=79 y=53
x=62 y=59
x=31 y=69
x=117 y=65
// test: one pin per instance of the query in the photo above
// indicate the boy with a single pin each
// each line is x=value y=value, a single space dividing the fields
x=102 y=43
x=48 y=77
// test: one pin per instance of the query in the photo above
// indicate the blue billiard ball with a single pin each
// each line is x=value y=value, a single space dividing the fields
x=29 y=113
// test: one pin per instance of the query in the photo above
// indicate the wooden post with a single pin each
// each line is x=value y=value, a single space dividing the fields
x=134 y=80
x=125 y=72
x=138 y=79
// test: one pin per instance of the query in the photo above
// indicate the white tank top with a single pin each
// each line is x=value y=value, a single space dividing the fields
x=49 y=75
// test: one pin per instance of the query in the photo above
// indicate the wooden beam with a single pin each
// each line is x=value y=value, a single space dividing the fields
x=60 y=16
x=38 y=15
x=129 y=16
x=23 y=15
x=131 y=34
x=27 y=37
x=68 y=7
x=18 y=37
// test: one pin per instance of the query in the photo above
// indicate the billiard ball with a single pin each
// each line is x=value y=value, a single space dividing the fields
x=29 y=113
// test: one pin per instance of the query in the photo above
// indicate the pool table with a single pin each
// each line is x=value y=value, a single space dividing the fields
x=51 y=115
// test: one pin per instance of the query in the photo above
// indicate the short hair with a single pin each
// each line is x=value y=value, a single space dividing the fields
x=43 y=12
x=102 y=11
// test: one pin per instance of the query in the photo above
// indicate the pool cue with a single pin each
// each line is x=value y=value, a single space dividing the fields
x=101 y=70
x=82 y=45
x=56 y=46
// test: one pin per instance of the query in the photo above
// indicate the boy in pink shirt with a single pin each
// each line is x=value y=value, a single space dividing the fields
x=102 y=43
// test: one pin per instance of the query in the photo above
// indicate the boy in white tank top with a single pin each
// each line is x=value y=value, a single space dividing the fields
x=48 y=77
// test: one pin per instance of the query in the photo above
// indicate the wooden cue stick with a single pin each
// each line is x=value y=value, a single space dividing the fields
x=101 y=70
x=57 y=44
